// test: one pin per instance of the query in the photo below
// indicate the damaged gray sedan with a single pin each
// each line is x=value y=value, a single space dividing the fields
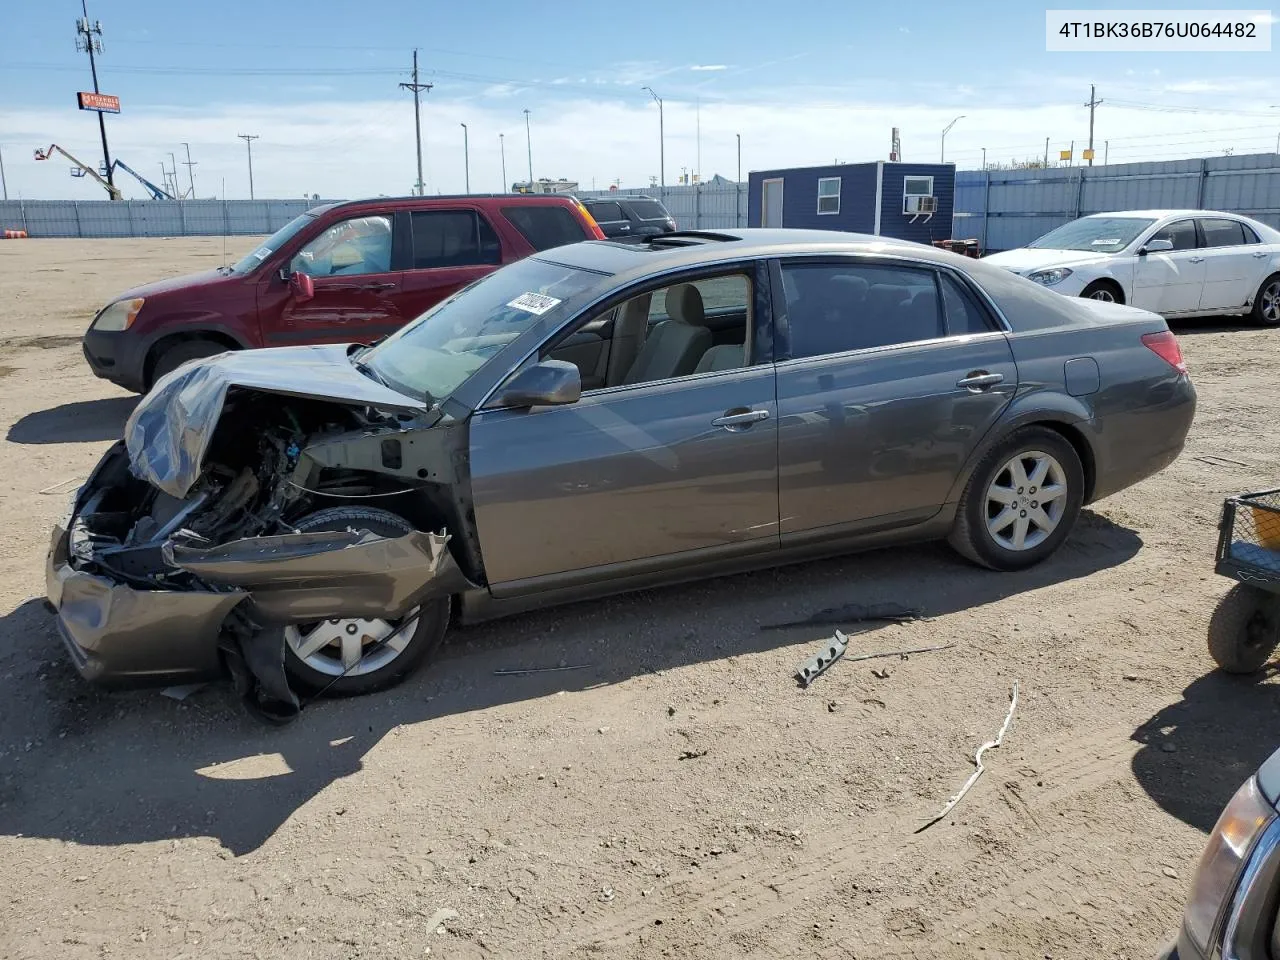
x=599 y=418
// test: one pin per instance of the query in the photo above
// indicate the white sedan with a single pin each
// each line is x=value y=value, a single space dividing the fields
x=1178 y=263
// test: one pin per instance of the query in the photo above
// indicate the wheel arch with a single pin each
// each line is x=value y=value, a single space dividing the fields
x=1070 y=427
x=163 y=343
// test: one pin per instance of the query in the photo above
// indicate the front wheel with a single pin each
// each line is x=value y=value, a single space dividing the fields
x=1244 y=629
x=1266 y=305
x=1021 y=502
x=1108 y=291
x=349 y=657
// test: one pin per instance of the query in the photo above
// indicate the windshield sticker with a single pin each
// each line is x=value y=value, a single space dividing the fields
x=262 y=253
x=535 y=303
x=1107 y=243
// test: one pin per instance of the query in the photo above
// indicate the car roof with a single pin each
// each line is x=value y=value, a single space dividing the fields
x=691 y=248
x=515 y=198
x=1162 y=214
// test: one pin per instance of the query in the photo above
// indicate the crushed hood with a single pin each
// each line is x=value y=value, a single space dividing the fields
x=1026 y=260
x=168 y=433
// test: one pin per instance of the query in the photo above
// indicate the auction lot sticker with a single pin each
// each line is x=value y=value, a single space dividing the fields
x=1158 y=31
x=533 y=303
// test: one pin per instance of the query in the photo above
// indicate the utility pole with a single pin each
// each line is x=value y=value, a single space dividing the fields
x=248 y=139
x=4 y=187
x=662 y=142
x=173 y=172
x=984 y=158
x=698 y=154
x=466 y=157
x=417 y=88
x=1106 y=152
x=190 y=165
x=739 y=136
x=1046 y=153
x=737 y=187
x=88 y=39
x=528 y=142
x=1092 y=105
x=502 y=148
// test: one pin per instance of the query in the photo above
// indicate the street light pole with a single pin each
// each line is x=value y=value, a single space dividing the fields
x=984 y=158
x=248 y=139
x=466 y=157
x=945 y=130
x=662 y=141
x=502 y=148
x=528 y=142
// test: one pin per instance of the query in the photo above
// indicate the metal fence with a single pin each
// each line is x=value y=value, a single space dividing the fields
x=149 y=218
x=703 y=206
x=1005 y=209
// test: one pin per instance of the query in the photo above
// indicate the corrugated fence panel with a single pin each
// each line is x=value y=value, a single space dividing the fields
x=149 y=218
x=1017 y=206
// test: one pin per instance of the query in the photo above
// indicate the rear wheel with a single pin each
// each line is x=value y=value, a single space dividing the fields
x=1266 y=305
x=348 y=657
x=171 y=358
x=1244 y=629
x=1107 y=291
x=1021 y=502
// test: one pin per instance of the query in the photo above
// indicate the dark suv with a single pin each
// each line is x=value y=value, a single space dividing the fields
x=624 y=218
x=341 y=273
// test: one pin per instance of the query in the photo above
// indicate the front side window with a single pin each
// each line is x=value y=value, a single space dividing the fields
x=828 y=195
x=1182 y=233
x=433 y=355
x=353 y=247
x=453 y=238
x=546 y=226
x=1095 y=234
x=832 y=308
x=1222 y=233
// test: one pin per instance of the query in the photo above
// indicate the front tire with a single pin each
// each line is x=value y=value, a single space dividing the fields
x=1244 y=629
x=171 y=358
x=317 y=654
x=1266 y=305
x=1021 y=502
x=1107 y=291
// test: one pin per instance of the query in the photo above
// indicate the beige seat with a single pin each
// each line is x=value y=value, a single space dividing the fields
x=673 y=347
x=727 y=356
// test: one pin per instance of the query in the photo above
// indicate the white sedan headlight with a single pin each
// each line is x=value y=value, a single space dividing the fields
x=119 y=316
x=1050 y=277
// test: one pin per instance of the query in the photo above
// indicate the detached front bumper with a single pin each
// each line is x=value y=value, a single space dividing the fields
x=120 y=636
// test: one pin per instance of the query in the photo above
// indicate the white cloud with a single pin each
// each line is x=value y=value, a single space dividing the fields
x=709 y=67
x=904 y=29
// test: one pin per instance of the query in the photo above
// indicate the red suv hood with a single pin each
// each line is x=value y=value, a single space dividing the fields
x=191 y=282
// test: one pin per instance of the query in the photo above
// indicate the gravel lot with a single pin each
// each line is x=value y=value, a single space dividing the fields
x=680 y=796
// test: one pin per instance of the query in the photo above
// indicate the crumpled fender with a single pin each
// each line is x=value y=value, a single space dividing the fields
x=300 y=577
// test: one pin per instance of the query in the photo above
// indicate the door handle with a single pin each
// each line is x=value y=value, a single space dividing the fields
x=378 y=286
x=980 y=380
x=1260 y=254
x=1195 y=259
x=740 y=419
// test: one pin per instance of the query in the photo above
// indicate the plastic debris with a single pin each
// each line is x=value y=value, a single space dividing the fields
x=519 y=672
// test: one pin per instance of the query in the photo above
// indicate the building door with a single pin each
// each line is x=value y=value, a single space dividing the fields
x=771 y=203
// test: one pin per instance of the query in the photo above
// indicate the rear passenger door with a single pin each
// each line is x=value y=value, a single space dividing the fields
x=611 y=218
x=1232 y=272
x=448 y=249
x=890 y=375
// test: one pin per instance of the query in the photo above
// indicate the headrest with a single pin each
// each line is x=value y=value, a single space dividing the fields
x=684 y=303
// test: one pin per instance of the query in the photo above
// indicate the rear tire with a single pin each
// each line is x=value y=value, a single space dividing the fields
x=1266 y=305
x=1106 y=290
x=171 y=358
x=325 y=665
x=990 y=523
x=1244 y=629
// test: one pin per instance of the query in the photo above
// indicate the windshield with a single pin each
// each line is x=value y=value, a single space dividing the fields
x=270 y=245
x=1094 y=234
x=434 y=354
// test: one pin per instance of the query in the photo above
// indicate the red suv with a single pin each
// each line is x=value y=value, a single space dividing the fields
x=342 y=273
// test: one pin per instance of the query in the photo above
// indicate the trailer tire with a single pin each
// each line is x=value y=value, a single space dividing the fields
x=1244 y=629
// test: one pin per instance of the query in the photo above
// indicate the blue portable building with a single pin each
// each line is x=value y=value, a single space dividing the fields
x=908 y=201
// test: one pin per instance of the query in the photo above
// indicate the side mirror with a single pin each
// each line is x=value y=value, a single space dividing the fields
x=547 y=384
x=302 y=285
x=1155 y=246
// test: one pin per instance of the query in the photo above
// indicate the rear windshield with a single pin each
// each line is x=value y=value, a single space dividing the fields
x=1097 y=234
x=649 y=210
x=546 y=227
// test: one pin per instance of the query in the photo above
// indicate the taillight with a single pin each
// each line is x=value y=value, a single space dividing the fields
x=1165 y=344
x=592 y=226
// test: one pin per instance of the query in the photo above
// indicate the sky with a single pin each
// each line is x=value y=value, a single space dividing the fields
x=803 y=82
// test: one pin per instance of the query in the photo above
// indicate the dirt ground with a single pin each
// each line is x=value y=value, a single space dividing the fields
x=679 y=796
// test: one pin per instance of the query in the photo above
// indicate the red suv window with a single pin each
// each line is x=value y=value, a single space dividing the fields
x=546 y=227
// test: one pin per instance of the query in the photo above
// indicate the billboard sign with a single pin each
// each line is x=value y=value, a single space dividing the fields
x=101 y=102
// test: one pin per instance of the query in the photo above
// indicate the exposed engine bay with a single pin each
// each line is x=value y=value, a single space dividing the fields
x=191 y=549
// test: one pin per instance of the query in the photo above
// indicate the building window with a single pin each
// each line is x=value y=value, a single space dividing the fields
x=917 y=186
x=828 y=195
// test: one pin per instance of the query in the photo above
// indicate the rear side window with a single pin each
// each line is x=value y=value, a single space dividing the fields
x=453 y=238
x=605 y=210
x=1222 y=233
x=546 y=227
x=964 y=314
x=1181 y=233
x=832 y=308
x=649 y=210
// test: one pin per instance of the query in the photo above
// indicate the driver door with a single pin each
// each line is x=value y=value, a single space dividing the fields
x=1171 y=281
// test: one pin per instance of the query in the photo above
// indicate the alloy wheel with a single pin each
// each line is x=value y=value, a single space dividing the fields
x=1026 y=500
x=1271 y=302
x=1104 y=294
x=349 y=647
